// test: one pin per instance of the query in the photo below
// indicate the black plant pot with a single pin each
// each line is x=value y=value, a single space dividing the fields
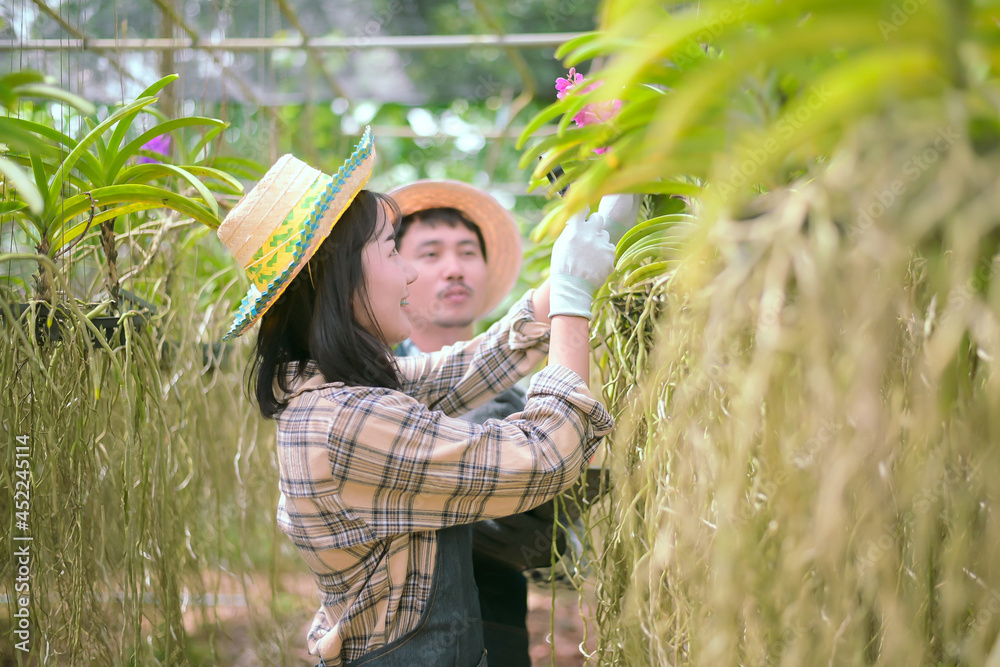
x=109 y=326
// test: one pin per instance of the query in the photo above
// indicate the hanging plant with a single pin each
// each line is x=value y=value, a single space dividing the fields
x=92 y=183
x=131 y=514
x=802 y=465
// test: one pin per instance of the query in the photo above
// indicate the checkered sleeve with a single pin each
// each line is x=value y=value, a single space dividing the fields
x=465 y=375
x=403 y=467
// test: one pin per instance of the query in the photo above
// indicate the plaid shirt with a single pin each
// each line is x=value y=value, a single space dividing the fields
x=369 y=474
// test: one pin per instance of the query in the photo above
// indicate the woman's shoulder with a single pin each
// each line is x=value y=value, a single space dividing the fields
x=335 y=412
x=306 y=385
x=340 y=396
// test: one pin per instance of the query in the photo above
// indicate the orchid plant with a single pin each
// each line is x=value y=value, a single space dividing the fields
x=835 y=310
x=86 y=185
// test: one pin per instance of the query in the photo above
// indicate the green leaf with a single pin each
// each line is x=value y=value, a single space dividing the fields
x=234 y=185
x=249 y=169
x=38 y=169
x=206 y=139
x=159 y=85
x=14 y=134
x=540 y=119
x=553 y=148
x=118 y=136
x=55 y=188
x=117 y=194
x=653 y=226
x=7 y=96
x=23 y=130
x=23 y=135
x=22 y=77
x=145 y=172
x=575 y=43
x=11 y=206
x=652 y=248
x=142 y=173
x=28 y=227
x=68 y=235
x=593 y=49
x=133 y=146
x=545 y=228
x=22 y=183
x=44 y=91
x=649 y=272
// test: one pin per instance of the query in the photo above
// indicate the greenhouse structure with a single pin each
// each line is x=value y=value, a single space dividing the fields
x=544 y=332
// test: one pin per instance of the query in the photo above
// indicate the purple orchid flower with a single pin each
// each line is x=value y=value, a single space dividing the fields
x=160 y=144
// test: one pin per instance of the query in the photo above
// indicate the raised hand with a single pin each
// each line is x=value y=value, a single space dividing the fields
x=582 y=259
x=620 y=212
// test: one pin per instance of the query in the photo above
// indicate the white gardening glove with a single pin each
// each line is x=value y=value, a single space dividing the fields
x=582 y=259
x=620 y=214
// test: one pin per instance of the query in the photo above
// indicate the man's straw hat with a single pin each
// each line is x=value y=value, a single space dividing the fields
x=278 y=226
x=500 y=232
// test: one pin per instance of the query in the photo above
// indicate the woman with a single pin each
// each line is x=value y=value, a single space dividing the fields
x=379 y=481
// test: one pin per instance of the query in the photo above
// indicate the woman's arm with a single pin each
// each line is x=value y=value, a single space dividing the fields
x=400 y=467
x=462 y=376
x=582 y=259
x=569 y=343
x=541 y=304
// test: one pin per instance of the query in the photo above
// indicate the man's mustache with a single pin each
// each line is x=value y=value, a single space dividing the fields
x=457 y=287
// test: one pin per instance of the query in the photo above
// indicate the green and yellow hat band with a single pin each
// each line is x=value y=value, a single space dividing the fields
x=278 y=250
x=278 y=226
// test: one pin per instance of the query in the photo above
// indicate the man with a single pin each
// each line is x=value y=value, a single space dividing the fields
x=466 y=248
x=467 y=251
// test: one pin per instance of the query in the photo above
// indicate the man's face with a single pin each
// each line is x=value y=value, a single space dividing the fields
x=450 y=289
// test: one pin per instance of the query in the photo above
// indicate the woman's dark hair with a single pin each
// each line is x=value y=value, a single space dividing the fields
x=314 y=318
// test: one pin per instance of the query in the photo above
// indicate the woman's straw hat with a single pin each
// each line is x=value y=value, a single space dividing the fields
x=278 y=226
x=500 y=232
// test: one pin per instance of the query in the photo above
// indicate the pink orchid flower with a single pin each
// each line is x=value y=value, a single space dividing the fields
x=564 y=86
x=598 y=112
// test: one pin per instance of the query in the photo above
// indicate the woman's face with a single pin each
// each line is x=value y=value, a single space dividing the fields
x=387 y=276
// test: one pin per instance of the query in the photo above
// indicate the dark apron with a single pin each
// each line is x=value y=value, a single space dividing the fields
x=450 y=630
